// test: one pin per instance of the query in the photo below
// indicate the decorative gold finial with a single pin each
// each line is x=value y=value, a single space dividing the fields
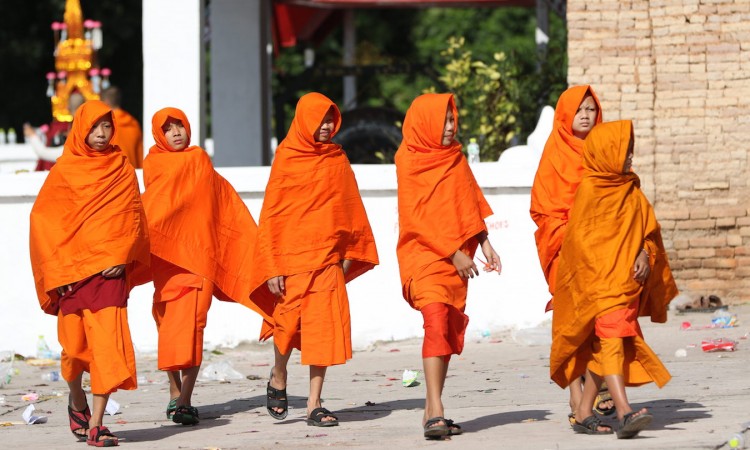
x=75 y=61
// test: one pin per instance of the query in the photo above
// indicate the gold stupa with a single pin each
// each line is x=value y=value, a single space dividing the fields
x=75 y=61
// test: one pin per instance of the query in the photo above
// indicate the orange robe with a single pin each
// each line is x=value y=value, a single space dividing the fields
x=312 y=219
x=129 y=137
x=611 y=221
x=202 y=237
x=441 y=209
x=557 y=178
x=87 y=217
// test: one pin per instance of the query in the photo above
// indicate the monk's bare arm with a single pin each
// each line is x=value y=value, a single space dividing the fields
x=492 y=258
x=345 y=265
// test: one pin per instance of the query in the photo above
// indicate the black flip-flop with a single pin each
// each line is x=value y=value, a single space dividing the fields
x=276 y=398
x=631 y=425
x=318 y=414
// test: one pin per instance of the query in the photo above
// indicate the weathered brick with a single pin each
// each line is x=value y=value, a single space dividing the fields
x=720 y=263
x=706 y=273
x=705 y=224
x=734 y=240
x=725 y=274
x=684 y=82
x=724 y=252
x=681 y=213
x=725 y=222
x=696 y=253
x=712 y=241
x=737 y=211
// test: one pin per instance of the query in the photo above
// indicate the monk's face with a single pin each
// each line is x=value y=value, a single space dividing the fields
x=449 y=129
x=175 y=133
x=324 y=131
x=628 y=166
x=585 y=117
x=101 y=133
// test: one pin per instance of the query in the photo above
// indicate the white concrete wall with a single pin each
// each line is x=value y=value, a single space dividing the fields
x=514 y=299
x=173 y=72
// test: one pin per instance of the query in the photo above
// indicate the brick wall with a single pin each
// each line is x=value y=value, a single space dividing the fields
x=680 y=69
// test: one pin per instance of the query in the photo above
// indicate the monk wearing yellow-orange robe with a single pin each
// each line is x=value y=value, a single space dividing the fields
x=314 y=236
x=613 y=268
x=88 y=235
x=441 y=223
x=129 y=134
x=202 y=243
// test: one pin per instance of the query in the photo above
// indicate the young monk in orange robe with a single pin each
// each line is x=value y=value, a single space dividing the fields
x=202 y=243
x=441 y=212
x=129 y=134
x=88 y=234
x=613 y=268
x=560 y=171
x=314 y=237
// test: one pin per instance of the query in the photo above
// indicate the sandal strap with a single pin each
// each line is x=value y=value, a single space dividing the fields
x=80 y=418
x=98 y=432
x=435 y=420
x=452 y=424
x=276 y=394
x=321 y=413
x=593 y=423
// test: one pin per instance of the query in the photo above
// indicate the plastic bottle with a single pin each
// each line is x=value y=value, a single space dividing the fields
x=2 y=136
x=473 y=151
x=42 y=349
x=736 y=441
x=51 y=376
x=12 y=138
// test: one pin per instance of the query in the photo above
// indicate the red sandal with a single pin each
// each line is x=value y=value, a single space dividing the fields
x=79 y=420
x=95 y=435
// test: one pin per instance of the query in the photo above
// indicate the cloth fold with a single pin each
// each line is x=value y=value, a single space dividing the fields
x=197 y=221
x=440 y=204
x=556 y=180
x=88 y=214
x=312 y=216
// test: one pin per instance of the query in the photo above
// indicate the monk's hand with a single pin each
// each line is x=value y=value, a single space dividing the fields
x=493 y=259
x=464 y=265
x=641 y=268
x=62 y=290
x=276 y=285
x=346 y=264
x=114 y=271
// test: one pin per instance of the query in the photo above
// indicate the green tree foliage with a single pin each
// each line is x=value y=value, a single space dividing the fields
x=500 y=111
x=485 y=94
